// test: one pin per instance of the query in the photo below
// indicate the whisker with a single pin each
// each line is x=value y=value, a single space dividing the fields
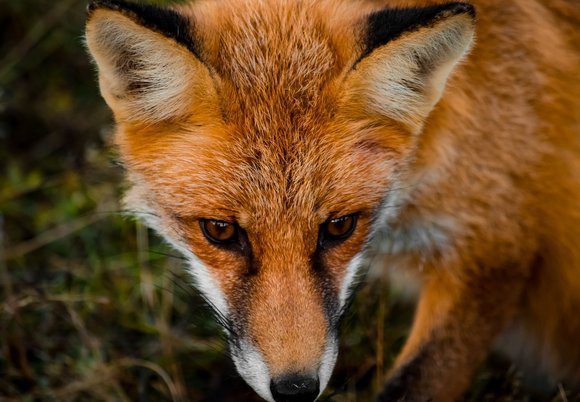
x=179 y=284
x=157 y=252
x=220 y=318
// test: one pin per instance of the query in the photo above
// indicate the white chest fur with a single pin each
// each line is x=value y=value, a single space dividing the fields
x=405 y=248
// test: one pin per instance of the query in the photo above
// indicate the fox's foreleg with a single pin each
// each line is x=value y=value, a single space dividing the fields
x=458 y=316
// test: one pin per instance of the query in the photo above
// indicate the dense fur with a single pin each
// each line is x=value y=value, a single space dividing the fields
x=279 y=115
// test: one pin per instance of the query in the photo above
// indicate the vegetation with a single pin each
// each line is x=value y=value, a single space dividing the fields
x=92 y=306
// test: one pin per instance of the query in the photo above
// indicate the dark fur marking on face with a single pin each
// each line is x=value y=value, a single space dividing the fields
x=253 y=264
x=327 y=289
x=159 y=19
x=242 y=296
x=389 y=24
x=240 y=300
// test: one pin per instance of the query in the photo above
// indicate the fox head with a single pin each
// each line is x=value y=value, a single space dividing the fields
x=267 y=141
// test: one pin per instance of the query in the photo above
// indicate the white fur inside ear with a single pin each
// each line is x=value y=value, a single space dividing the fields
x=405 y=79
x=143 y=75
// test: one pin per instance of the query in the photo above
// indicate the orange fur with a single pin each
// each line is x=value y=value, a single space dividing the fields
x=285 y=129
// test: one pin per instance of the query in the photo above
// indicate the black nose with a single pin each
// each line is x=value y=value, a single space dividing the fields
x=295 y=388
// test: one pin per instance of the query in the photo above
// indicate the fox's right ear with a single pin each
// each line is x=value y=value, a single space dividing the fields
x=146 y=57
x=407 y=56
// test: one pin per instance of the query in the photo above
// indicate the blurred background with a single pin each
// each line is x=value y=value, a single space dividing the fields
x=93 y=307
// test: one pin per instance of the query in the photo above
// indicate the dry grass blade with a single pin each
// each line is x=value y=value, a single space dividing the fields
x=131 y=362
x=50 y=236
x=562 y=393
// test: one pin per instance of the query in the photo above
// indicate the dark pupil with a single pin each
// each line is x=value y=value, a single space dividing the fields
x=340 y=226
x=220 y=230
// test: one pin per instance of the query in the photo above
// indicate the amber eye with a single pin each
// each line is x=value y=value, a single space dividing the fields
x=219 y=232
x=337 y=229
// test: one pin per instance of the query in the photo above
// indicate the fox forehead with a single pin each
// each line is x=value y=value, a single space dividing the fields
x=277 y=60
x=232 y=179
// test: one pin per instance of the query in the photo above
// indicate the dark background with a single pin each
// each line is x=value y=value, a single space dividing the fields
x=93 y=307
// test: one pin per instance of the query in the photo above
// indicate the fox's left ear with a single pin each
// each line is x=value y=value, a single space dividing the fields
x=148 y=62
x=408 y=54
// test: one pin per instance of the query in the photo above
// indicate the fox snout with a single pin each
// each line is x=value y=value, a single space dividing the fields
x=286 y=346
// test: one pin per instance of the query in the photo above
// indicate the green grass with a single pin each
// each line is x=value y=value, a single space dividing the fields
x=93 y=307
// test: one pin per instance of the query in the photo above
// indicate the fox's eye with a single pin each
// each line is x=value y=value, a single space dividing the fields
x=219 y=232
x=337 y=229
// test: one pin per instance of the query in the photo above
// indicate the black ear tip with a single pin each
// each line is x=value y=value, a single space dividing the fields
x=462 y=8
x=163 y=20
x=390 y=23
x=107 y=4
x=92 y=6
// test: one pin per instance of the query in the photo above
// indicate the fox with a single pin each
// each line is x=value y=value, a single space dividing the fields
x=281 y=146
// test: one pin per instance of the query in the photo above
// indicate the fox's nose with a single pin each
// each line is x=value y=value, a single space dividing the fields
x=294 y=388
